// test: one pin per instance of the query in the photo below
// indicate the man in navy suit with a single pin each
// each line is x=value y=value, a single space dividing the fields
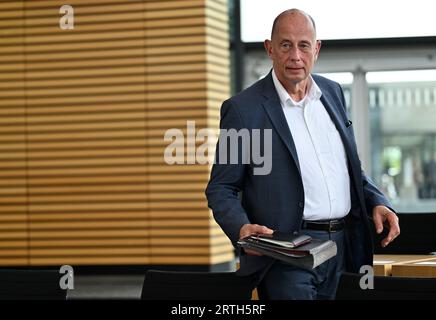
x=315 y=186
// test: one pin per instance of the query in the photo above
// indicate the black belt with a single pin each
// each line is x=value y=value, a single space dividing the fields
x=324 y=225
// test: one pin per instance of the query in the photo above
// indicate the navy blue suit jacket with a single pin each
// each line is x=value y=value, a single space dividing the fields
x=276 y=200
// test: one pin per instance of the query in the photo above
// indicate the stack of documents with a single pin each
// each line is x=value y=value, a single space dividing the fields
x=299 y=250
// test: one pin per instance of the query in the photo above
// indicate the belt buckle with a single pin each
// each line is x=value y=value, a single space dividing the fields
x=330 y=227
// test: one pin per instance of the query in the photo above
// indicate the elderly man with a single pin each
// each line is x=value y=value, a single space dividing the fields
x=316 y=185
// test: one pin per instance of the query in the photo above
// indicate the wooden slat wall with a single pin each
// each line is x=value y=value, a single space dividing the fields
x=187 y=79
x=86 y=148
x=13 y=191
x=83 y=178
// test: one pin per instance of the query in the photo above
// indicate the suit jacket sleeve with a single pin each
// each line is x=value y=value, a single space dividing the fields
x=373 y=196
x=227 y=180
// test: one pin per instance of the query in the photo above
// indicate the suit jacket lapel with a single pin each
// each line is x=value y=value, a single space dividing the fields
x=275 y=112
x=337 y=120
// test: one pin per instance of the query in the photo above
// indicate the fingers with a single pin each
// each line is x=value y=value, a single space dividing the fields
x=394 y=230
x=249 y=229
x=378 y=223
x=265 y=230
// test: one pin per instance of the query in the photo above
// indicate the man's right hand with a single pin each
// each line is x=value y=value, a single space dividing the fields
x=249 y=229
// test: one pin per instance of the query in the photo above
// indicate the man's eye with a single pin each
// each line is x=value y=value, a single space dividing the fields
x=285 y=45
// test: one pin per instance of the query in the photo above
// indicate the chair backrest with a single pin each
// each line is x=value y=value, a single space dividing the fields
x=179 y=285
x=30 y=285
x=386 y=288
x=417 y=235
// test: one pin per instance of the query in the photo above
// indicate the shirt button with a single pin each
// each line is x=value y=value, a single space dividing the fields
x=301 y=204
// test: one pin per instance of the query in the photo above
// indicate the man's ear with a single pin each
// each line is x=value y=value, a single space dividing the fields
x=268 y=47
x=318 y=48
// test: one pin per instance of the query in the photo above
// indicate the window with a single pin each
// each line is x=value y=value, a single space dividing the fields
x=402 y=111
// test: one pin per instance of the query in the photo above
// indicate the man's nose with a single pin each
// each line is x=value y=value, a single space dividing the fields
x=294 y=54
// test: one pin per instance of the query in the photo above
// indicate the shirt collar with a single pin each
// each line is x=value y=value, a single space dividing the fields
x=313 y=94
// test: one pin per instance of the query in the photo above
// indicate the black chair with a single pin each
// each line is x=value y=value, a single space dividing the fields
x=417 y=235
x=386 y=288
x=31 y=285
x=184 y=285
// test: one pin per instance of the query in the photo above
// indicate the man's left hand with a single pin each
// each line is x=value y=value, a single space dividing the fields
x=383 y=215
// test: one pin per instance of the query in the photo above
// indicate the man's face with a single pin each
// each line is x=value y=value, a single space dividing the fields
x=293 y=49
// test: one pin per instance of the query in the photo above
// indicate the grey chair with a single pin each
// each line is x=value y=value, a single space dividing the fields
x=184 y=285
x=31 y=285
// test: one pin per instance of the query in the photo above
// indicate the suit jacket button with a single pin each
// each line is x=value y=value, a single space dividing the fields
x=301 y=204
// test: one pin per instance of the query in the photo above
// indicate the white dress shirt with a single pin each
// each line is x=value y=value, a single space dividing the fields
x=321 y=154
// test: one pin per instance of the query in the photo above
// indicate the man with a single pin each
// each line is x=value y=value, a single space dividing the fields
x=316 y=185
